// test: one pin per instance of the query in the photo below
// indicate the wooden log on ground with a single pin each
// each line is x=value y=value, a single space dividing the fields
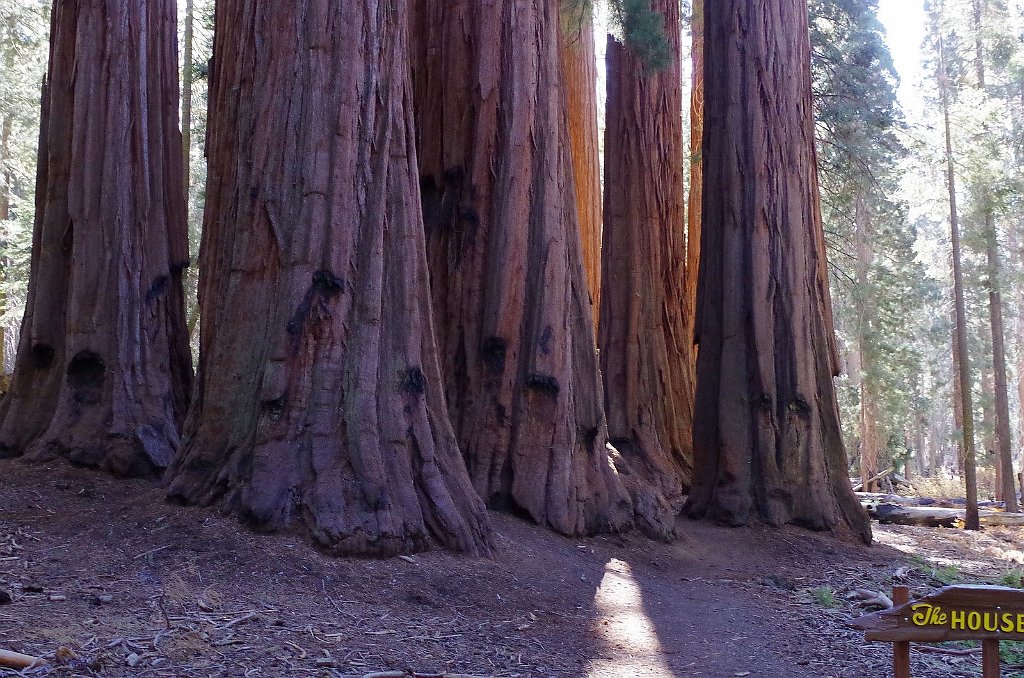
x=19 y=661
x=937 y=517
x=902 y=500
x=886 y=498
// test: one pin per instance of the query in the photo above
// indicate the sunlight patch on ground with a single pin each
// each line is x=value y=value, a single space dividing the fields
x=983 y=553
x=624 y=629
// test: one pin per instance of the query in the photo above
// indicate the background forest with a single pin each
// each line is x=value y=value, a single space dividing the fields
x=885 y=209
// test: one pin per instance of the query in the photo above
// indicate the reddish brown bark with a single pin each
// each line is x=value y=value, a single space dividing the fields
x=324 y=410
x=870 y=442
x=579 y=67
x=767 y=441
x=694 y=201
x=645 y=352
x=510 y=293
x=103 y=372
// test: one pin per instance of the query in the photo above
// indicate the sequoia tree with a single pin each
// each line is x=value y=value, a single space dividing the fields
x=580 y=72
x=503 y=240
x=103 y=372
x=767 y=440
x=320 y=405
x=645 y=350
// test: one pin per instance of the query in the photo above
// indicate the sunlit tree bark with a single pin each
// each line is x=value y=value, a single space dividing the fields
x=767 y=440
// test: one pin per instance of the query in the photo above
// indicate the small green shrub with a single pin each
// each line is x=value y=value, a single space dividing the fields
x=824 y=596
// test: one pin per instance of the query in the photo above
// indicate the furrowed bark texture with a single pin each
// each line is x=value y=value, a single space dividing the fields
x=696 y=167
x=510 y=294
x=103 y=373
x=645 y=352
x=767 y=441
x=320 y=404
x=579 y=66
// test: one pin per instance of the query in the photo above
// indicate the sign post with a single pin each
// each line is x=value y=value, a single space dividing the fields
x=984 y=613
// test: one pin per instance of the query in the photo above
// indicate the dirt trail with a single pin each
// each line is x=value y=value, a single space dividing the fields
x=132 y=586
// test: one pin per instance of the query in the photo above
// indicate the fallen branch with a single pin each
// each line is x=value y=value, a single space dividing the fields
x=17 y=660
x=859 y=486
x=868 y=597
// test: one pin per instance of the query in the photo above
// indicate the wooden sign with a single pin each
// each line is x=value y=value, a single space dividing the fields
x=986 y=613
x=952 y=613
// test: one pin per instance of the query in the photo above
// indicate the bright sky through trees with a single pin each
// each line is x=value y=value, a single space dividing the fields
x=904 y=26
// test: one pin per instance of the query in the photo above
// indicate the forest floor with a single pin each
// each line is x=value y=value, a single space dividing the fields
x=107 y=579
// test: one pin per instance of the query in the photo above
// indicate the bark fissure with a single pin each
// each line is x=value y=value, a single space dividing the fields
x=103 y=373
x=325 y=412
x=767 y=441
x=510 y=293
x=645 y=355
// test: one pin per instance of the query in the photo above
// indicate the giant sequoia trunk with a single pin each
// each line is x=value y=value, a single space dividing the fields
x=103 y=372
x=510 y=294
x=320 y=403
x=645 y=350
x=767 y=442
x=580 y=76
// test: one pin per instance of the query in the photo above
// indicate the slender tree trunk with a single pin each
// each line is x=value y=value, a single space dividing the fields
x=1005 y=489
x=693 y=205
x=870 y=443
x=869 y=437
x=324 y=411
x=1003 y=437
x=103 y=373
x=579 y=65
x=919 y=442
x=503 y=243
x=645 y=353
x=988 y=424
x=854 y=370
x=767 y=440
x=964 y=369
x=933 y=447
x=958 y=403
